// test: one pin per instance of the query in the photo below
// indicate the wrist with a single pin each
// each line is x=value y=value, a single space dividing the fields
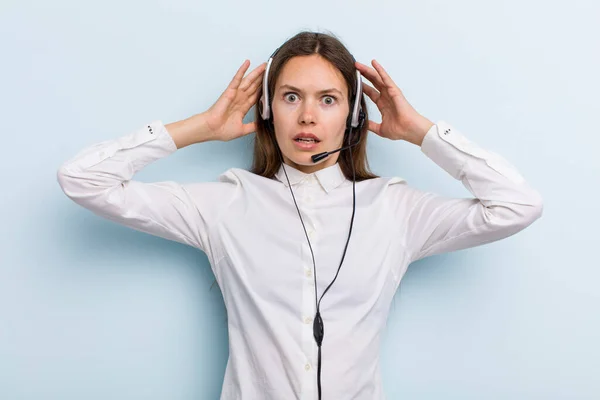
x=198 y=128
x=421 y=129
x=189 y=131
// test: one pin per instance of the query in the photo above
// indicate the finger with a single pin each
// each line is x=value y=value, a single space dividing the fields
x=255 y=84
x=253 y=76
x=373 y=127
x=385 y=77
x=371 y=74
x=371 y=92
x=255 y=87
x=251 y=99
x=237 y=79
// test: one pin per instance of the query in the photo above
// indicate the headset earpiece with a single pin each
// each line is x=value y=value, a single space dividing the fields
x=361 y=120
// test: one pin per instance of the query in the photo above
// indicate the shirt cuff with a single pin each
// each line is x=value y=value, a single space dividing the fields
x=153 y=142
x=451 y=150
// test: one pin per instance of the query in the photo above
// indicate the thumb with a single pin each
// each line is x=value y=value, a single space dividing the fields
x=374 y=127
x=249 y=128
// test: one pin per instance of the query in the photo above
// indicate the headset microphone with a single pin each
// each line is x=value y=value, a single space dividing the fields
x=320 y=156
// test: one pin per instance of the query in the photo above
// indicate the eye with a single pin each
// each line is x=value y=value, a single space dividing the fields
x=332 y=101
x=291 y=97
x=289 y=93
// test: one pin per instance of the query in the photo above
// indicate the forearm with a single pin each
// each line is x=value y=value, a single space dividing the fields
x=100 y=179
x=503 y=202
x=189 y=131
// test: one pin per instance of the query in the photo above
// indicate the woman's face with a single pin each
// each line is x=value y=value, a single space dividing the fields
x=311 y=97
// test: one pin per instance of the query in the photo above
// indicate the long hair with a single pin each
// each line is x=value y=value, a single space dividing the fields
x=266 y=161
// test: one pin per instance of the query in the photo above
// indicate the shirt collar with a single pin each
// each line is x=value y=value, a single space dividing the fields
x=329 y=177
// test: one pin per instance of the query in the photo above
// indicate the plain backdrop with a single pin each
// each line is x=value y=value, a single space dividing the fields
x=93 y=310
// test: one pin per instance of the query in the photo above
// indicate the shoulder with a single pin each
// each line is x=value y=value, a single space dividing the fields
x=224 y=187
x=382 y=188
x=395 y=190
x=232 y=176
x=384 y=182
x=240 y=176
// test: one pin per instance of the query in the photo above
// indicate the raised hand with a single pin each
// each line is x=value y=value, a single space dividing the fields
x=224 y=119
x=399 y=120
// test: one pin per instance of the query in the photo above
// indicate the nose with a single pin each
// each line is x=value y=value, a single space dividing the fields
x=307 y=113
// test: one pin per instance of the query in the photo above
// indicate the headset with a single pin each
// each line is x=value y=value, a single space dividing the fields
x=355 y=122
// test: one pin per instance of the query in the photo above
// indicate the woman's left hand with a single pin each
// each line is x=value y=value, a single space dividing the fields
x=399 y=120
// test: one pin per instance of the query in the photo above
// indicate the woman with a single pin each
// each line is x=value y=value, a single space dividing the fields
x=265 y=230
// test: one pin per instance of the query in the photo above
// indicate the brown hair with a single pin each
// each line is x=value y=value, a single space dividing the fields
x=266 y=161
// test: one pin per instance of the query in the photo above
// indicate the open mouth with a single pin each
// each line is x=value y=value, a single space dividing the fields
x=306 y=144
x=303 y=140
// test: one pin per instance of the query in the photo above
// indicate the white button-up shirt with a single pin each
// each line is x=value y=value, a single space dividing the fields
x=249 y=228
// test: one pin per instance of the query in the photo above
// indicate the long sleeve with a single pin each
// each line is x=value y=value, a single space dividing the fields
x=503 y=202
x=99 y=179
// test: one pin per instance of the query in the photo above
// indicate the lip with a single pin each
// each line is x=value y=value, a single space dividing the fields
x=307 y=135
x=305 y=146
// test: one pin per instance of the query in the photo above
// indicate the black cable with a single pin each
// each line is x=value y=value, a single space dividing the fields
x=318 y=326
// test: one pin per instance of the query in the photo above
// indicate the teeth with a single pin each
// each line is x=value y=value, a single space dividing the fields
x=305 y=140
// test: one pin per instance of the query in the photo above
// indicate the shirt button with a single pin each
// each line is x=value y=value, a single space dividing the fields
x=311 y=233
x=308 y=272
x=307 y=367
x=309 y=199
x=307 y=320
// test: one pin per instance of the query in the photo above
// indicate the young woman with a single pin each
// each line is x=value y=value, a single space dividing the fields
x=265 y=230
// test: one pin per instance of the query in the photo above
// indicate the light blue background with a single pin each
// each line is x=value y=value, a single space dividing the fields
x=92 y=310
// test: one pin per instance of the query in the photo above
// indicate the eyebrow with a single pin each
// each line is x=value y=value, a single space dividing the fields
x=290 y=87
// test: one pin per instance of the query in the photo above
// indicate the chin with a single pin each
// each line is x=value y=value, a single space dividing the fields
x=305 y=159
x=302 y=159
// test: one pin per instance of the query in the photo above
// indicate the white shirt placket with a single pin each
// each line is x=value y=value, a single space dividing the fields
x=306 y=204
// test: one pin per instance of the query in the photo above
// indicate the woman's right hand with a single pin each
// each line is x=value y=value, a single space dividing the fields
x=224 y=119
